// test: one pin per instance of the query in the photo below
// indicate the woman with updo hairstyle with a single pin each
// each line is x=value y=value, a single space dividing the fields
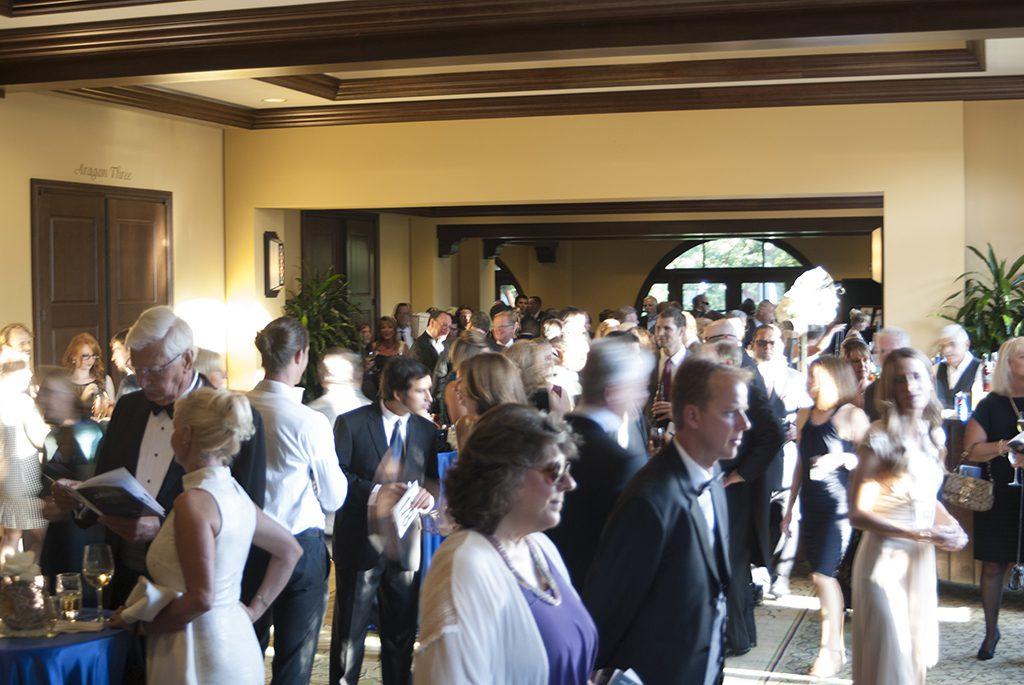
x=497 y=605
x=536 y=362
x=467 y=345
x=485 y=381
x=205 y=635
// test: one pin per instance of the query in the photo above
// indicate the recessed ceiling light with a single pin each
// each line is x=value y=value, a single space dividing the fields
x=275 y=100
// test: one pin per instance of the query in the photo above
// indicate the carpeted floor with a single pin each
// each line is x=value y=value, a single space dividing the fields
x=788 y=636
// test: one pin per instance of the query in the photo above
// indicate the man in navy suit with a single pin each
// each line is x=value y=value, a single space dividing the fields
x=380 y=447
x=657 y=587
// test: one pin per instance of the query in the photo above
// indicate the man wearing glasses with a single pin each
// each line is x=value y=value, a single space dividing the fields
x=139 y=439
x=503 y=330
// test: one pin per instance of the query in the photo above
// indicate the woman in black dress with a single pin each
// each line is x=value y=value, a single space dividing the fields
x=827 y=437
x=997 y=532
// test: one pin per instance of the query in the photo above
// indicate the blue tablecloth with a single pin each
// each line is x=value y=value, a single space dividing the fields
x=68 y=659
x=431 y=541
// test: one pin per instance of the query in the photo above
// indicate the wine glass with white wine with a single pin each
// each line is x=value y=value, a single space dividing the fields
x=98 y=570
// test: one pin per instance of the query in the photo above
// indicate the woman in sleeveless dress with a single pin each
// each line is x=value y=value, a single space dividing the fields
x=206 y=634
x=827 y=434
x=893 y=500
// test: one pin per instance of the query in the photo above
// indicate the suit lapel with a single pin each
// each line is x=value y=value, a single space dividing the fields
x=380 y=441
x=696 y=513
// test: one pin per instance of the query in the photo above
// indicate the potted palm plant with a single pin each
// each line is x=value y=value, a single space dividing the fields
x=993 y=301
x=321 y=303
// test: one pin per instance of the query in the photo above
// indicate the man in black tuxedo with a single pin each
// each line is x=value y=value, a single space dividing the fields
x=614 y=384
x=504 y=327
x=380 y=447
x=657 y=587
x=748 y=492
x=139 y=439
x=430 y=344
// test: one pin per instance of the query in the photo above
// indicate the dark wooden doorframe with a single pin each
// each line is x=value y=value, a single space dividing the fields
x=104 y=194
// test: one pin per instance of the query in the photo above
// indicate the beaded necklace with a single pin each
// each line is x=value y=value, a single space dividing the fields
x=550 y=596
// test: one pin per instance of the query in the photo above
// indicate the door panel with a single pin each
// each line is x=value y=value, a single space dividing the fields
x=139 y=249
x=361 y=257
x=347 y=243
x=69 y=269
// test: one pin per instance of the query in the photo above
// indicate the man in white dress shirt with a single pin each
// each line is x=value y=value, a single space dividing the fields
x=341 y=374
x=670 y=335
x=303 y=481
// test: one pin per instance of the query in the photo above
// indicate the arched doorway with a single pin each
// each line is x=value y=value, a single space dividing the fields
x=506 y=286
x=726 y=270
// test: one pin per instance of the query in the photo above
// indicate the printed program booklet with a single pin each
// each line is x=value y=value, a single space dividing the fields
x=117 y=493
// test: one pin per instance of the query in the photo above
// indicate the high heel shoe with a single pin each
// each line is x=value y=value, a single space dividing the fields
x=986 y=654
x=828 y=663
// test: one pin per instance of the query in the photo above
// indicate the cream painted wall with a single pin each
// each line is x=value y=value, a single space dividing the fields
x=994 y=142
x=914 y=153
x=394 y=262
x=50 y=137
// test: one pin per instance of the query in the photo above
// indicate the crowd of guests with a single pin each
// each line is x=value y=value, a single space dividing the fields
x=621 y=495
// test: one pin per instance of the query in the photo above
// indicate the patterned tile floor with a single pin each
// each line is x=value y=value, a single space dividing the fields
x=788 y=640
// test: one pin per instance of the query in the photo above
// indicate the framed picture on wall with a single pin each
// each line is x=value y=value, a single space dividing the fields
x=273 y=263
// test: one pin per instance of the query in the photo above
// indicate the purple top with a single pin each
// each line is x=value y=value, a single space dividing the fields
x=568 y=632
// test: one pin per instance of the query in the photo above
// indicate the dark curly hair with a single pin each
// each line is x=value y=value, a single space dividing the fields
x=506 y=442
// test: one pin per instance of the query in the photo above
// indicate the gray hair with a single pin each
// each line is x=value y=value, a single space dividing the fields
x=339 y=366
x=899 y=335
x=612 y=361
x=160 y=325
x=954 y=332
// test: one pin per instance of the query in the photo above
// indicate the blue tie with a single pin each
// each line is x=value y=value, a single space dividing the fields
x=396 y=445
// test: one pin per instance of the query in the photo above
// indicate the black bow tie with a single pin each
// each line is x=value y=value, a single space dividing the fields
x=155 y=409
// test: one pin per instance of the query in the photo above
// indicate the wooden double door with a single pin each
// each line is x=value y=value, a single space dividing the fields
x=100 y=257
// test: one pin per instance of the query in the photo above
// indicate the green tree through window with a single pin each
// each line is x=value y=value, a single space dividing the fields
x=733 y=253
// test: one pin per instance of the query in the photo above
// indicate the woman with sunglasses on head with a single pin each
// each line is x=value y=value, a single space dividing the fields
x=83 y=358
x=497 y=606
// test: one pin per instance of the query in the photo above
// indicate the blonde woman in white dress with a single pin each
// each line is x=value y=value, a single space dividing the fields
x=205 y=636
x=893 y=499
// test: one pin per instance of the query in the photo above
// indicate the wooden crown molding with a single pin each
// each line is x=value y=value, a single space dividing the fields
x=450 y=236
x=339 y=33
x=675 y=73
x=616 y=102
x=24 y=8
x=753 y=204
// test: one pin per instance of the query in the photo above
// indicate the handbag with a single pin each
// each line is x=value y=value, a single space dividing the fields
x=967 y=492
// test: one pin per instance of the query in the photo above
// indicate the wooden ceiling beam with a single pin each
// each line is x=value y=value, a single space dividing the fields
x=449 y=236
x=674 y=73
x=319 y=85
x=361 y=31
x=729 y=97
x=25 y=8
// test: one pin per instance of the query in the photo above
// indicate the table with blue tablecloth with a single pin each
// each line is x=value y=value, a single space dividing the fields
x=67 y=659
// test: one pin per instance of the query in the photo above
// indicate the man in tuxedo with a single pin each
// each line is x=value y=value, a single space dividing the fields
x=139 y=439
x=649 y=317
x=529 y=322
x=504 y=326
x=613 y=389
x=430 y=344
x=748 y=493
x=403 y=316
x=656 y=589
x=380 y=447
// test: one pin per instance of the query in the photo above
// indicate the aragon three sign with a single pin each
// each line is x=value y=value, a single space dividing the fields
x=114 y=172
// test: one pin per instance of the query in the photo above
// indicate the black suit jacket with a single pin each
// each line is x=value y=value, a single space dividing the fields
x=602 y=472
x=121 y=448
x=749 y=500
x=654 y=585
x=360 y=443
x=423 y=351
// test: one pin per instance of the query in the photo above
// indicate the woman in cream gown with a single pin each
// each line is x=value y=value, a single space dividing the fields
x=205 y=635
x=893 y=499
